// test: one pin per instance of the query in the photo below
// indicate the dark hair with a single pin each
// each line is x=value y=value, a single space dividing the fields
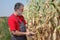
x=17 y=6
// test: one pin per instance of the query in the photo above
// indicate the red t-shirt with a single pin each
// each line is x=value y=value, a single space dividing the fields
x=13 y=22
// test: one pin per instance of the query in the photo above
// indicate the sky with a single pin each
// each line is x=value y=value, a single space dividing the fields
x=7 y=6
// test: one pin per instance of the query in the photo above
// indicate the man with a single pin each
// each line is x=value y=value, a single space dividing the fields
x=17 y=24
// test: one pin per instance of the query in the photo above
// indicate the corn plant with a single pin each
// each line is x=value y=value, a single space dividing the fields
x=43 y=18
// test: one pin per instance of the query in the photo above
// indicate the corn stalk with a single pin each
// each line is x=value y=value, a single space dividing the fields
x=43 y=18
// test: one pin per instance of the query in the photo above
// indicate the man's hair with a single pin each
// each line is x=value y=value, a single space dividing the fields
x=17 y=6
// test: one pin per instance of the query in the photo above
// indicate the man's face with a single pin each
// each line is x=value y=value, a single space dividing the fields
x=20 y=10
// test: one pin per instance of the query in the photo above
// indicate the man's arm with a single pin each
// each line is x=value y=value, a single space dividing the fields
x=18 y=33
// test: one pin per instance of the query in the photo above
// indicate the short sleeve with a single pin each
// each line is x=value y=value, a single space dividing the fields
x=11 y=24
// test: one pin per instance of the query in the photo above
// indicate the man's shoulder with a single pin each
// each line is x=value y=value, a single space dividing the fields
x=11 y=17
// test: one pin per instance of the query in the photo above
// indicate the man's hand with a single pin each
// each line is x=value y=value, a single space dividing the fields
x=32 y=33
x=29 y=33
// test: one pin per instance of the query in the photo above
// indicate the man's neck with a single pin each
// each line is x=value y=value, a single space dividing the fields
x=15 y=13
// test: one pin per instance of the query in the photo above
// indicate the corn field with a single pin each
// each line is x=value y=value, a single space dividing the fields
x=43 y=18
x=4 y=32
